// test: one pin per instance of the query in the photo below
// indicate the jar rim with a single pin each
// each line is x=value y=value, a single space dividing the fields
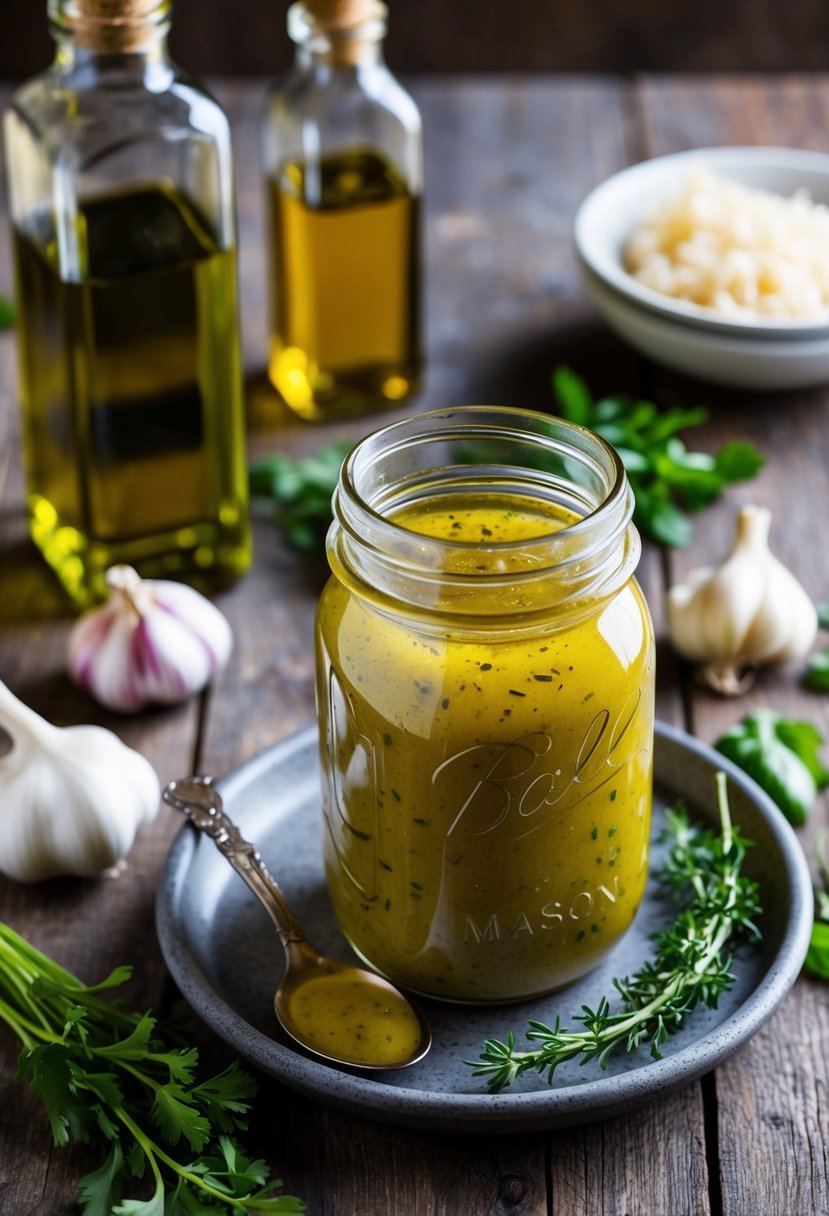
x=596 y=552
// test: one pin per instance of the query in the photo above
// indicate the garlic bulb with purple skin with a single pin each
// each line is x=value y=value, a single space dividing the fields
x=152 y=642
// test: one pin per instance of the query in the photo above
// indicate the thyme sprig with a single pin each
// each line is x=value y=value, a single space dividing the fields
x=703 y=872
x=115 y=1079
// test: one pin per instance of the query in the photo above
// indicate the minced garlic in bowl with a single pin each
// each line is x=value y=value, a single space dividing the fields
x=741 y=252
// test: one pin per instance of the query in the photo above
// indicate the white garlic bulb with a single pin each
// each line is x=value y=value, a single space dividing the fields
x=747 y=612
x=153 y=641
x=71 y=798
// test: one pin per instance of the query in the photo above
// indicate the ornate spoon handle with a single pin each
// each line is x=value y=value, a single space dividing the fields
x=200 y=801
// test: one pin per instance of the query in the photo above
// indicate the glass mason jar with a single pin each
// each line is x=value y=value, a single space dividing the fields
x=343 y=162
x=122 y=205
x=485 y=671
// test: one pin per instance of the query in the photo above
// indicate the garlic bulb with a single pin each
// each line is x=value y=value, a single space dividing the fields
x=152 y=641
x=746 y=612
x=71 y=798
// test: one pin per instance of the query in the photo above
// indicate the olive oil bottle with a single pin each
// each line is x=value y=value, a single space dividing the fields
x=130 y=368
x=343 y=163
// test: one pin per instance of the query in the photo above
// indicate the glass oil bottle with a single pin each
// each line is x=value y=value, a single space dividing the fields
x=342 y=152
x=122 y=205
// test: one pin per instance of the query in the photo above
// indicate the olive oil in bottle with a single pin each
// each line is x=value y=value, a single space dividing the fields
x=345 y=284
x=343 y=155
x=132 y=392
x=122 y=206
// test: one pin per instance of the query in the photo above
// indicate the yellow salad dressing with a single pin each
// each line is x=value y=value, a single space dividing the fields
x=350 y=1020
x=487 y=789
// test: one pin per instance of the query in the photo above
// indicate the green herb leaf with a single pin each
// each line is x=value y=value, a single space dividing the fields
x=805 y=740
x=719 y=906
x=667 y=479
x=817 y=671
x=116 y=1079
x=781 y=756
x=573 y=396
x=101 y=1190
x=299 y=492
x=8 y=315
x=738 y=461
x=823 y=614
x=817 y=957
x=661 y=520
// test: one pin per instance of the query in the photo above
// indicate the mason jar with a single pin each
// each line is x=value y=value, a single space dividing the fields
x=485 y=667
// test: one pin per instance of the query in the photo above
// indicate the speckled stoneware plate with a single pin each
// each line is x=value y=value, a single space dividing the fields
x=221 y=950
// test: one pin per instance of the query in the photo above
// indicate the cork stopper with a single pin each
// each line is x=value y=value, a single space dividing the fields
x=112 y=26
x=344 y=14
x=353 y=26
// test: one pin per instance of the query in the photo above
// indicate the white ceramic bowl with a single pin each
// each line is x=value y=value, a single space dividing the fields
x=744 y=353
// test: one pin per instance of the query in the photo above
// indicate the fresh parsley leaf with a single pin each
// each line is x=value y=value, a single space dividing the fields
x=176 y=1117
x=101 y=1190
x=299 y=492
x=47 y=1070
x=781 y=756
x=667 y=479
x=154 y=1206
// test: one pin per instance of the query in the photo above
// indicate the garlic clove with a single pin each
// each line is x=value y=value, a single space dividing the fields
x=71 y=799
x=748 y=611
x=153 y=641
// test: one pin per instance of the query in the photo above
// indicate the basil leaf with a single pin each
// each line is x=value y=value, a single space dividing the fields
x=781 y=756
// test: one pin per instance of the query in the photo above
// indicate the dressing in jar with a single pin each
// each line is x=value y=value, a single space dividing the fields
x=485 y=694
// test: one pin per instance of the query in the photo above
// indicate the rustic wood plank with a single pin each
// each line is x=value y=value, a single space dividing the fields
x=770 y=1098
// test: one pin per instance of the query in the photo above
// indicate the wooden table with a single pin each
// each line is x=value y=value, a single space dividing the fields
x=508 y=160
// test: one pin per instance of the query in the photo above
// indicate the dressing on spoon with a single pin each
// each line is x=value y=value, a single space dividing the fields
x=341 y=1013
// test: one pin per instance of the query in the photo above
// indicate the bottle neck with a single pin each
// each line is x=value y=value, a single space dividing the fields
x=107 y=30
x=340 y=34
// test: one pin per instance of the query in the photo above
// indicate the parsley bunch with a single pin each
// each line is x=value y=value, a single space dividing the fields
x=107 y=1076
x=667 y=480
x=299 y=492
x=689 y=967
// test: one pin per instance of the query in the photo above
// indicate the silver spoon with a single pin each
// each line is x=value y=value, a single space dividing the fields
x=341 y=1013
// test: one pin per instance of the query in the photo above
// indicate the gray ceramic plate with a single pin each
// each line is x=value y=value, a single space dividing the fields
x=221 y=950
